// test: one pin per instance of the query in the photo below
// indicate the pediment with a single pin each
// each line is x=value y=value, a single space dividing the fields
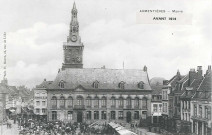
x=79 y=88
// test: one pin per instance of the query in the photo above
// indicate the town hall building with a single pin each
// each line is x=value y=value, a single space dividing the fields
x=80 y=94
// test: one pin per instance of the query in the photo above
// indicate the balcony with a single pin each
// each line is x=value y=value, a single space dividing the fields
x=78 y=107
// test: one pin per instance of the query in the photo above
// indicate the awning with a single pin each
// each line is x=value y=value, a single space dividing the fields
x=126 y=132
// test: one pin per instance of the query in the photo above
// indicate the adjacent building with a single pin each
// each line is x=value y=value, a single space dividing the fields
x=201 y=107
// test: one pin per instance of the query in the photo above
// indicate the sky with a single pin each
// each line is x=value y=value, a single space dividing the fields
x=36 y=30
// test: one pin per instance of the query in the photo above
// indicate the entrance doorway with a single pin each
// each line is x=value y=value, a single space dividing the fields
x=128 y=117
x=79 y=116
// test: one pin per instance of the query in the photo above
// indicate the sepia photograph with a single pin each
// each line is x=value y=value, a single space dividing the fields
x=105 y=67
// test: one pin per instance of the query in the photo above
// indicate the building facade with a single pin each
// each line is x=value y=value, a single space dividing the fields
x=40 y=100
x=95 y=94
x=201 y=106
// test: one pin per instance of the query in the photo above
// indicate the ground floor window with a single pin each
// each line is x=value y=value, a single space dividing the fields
x=120 y=116
x=37 y=110
x=113 y=115
x=136 y=115
x=144 y=113
x=70 y=115
x=54 y=115
x=96 y=115
x=104 y=115
x=88 y=115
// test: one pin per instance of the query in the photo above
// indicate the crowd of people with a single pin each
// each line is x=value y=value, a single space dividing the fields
x=59 y=128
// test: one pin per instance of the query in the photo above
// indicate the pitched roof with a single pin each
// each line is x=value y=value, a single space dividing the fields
x=156 y=89
x=206 y=83
x=44 y=84
x=107 y=78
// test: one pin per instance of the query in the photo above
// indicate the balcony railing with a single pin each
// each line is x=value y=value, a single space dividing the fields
x=79 y=106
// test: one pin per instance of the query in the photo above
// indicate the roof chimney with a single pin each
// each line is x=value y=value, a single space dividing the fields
x=165 y=82
x=145 y=68
x=191 y=75
x=209 y=69
x=199 y=72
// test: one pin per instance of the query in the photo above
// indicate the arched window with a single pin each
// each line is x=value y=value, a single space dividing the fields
x=96 y=102
x=113 y=102
x=61 y=84
x=141 y=85
x=96 y=84
x=89 y=101
x=121 y=85
x=144 y=103
x=136 y=102
x=70 y=102
x=128 y=102
x=104 y=102
x=62 y=102
x=54 y=102
x=121 y=102
x=79 y=100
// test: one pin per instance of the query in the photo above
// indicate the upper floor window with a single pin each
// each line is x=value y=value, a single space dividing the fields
x=129 y=102
x=121 y=102
x=144 y=103
x=121 y=85
x=200 y=111
x=96 y=84
x=195 y=110
x=113 y=101
x=37 y=103
x=79 y=100
x=89 y=101
x=62 y=101
x=54 y=101
x=141 y=85
x=70 y=101
x=96 y=102
x=104 y=100
x=155 y=107
x=61 y=84
x=136 y=102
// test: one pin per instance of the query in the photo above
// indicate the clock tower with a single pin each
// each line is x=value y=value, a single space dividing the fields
x=73 y=48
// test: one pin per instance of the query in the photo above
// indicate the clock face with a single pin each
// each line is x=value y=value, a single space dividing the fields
x=74 y=38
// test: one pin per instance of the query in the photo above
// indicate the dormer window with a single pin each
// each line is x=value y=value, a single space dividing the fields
x=121 y=85
x=141 y=85
x=96 y=84
x=61 y=84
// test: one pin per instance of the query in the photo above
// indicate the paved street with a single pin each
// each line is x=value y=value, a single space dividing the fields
x=12 y=131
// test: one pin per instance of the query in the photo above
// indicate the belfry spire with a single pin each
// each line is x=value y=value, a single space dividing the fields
x=73 y=48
